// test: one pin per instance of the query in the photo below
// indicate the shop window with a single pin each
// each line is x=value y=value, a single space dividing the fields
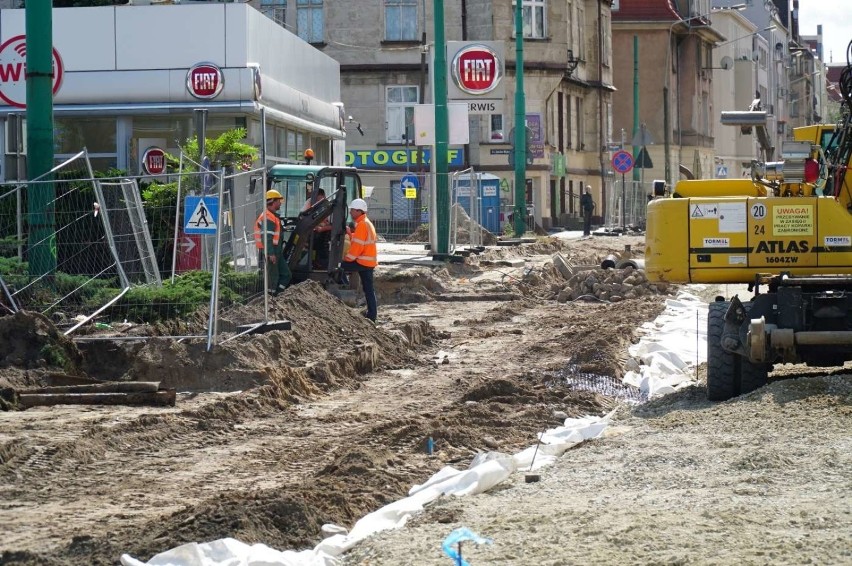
x=497 y=128
x=309 y=20
x=71 y=135
x=280 y=142
x=291 y=145
x=400 y=101
x=401 y=20
x=534 y=12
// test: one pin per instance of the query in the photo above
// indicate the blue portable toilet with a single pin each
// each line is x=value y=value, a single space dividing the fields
x=489 y=198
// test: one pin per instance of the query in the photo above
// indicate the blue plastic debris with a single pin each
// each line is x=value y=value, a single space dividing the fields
x=459 y=536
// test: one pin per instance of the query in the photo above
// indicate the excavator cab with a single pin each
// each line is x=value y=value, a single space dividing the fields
x=314 y=213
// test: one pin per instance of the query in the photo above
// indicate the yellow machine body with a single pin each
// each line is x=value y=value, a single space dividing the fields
x=728 y=231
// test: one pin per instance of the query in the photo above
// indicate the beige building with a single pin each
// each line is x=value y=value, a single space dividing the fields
x=385 y=49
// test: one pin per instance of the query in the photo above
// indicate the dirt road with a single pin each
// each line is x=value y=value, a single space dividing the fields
x=287 y=431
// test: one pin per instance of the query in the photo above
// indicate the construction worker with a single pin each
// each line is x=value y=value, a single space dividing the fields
x=269 y=252
x=362 y=256
x=322 y=234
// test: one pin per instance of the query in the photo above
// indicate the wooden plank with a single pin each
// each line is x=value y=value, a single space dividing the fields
x=163 y=397
x=103 y=387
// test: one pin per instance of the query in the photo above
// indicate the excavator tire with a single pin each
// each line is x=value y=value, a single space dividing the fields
x=728 y=375
x=722 y=382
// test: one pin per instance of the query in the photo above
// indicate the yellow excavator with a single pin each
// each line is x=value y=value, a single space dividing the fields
x=786 y=232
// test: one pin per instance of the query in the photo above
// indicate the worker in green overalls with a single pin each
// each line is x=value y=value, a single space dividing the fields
x=271 y=251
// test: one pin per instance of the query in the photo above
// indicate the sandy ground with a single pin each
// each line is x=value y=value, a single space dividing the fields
x=274 y=435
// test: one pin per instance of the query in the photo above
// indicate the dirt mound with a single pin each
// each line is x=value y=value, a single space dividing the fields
x=30 y=346
x=329 y=345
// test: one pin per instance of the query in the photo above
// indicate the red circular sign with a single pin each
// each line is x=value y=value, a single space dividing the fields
x=154 y=161
x=13 y=71
x=477 y=69
x=205 y=80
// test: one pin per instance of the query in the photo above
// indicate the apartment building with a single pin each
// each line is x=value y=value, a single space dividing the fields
x=702 y=57
x=385 y=49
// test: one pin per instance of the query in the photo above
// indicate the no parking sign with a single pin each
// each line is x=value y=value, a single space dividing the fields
x=622 y=161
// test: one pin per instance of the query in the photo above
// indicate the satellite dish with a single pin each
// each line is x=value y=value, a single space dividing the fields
x=726 y=63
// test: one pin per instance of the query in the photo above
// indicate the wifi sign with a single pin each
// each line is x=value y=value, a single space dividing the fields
x=13 y=71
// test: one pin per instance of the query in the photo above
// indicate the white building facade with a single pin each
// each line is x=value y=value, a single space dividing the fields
x=129 y=78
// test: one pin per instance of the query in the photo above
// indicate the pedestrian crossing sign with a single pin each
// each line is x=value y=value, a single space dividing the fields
x=200 y=214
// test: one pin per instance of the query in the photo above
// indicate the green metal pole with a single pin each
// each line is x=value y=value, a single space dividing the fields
x=520 y=126
x=442 y=135
x=635 y=105
x=41 y=196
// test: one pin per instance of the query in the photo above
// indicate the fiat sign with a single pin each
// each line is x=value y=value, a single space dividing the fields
x=205 y=81
x=154 y=161
x=475 y=75
x=13 y=71
x=477 y=69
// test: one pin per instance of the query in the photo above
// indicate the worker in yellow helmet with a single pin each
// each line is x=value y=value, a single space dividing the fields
x=270 y=249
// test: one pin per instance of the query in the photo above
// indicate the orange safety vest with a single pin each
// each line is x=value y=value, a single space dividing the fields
x=362 y=249
x=258 y=229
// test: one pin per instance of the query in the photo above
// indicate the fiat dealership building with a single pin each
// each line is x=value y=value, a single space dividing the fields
x=127 y=80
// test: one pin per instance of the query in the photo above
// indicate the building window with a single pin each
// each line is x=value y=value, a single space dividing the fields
x=309 y=20
x=275 y=10
x=581 y=134
x=400 y=112
x=401 y=20
x=497 y=128
x=534 y=12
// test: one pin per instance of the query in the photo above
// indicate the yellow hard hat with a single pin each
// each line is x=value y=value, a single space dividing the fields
x=273 y=194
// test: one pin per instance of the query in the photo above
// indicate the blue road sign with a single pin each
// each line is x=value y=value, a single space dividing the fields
x=409 y=182
x=622 y=161
x=200 y=214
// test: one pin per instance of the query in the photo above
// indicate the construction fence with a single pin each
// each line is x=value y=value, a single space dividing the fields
x=125 y=252
x=96 y=250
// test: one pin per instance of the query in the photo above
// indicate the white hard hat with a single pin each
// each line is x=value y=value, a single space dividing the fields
x=358 y=204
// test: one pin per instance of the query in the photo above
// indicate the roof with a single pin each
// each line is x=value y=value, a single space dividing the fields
x=645 y=10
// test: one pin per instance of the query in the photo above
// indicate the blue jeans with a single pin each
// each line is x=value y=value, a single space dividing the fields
x=366 y=275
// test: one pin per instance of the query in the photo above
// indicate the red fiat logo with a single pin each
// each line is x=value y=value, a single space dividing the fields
x=154 y=161
x=205 y=80
x=13 y=76
x=476 y=69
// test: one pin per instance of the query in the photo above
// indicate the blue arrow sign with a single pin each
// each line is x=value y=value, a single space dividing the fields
x=200 y=214
x=409 y=182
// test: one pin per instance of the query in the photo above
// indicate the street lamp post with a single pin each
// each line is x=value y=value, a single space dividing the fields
x=667 y=84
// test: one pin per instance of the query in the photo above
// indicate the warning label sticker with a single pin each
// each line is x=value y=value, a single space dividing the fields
x=793 y=220
x=703 y=211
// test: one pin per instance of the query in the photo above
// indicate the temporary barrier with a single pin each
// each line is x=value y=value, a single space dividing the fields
x=626 y=205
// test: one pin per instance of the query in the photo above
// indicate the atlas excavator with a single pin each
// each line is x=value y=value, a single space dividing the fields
x=315 y=195
x=785 y=232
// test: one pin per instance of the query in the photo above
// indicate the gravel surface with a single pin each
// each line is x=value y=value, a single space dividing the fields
x=762 y=479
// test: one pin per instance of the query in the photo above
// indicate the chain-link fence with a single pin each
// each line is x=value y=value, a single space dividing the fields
x=71 y=244
x=627 y=205
x=177 y=253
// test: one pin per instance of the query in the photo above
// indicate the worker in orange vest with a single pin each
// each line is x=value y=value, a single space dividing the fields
x=270 y=252
x=362 y=256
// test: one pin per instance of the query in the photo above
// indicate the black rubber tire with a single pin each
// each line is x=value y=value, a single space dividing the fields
x=753 y=376
x=722 y=380
x=728 y=375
